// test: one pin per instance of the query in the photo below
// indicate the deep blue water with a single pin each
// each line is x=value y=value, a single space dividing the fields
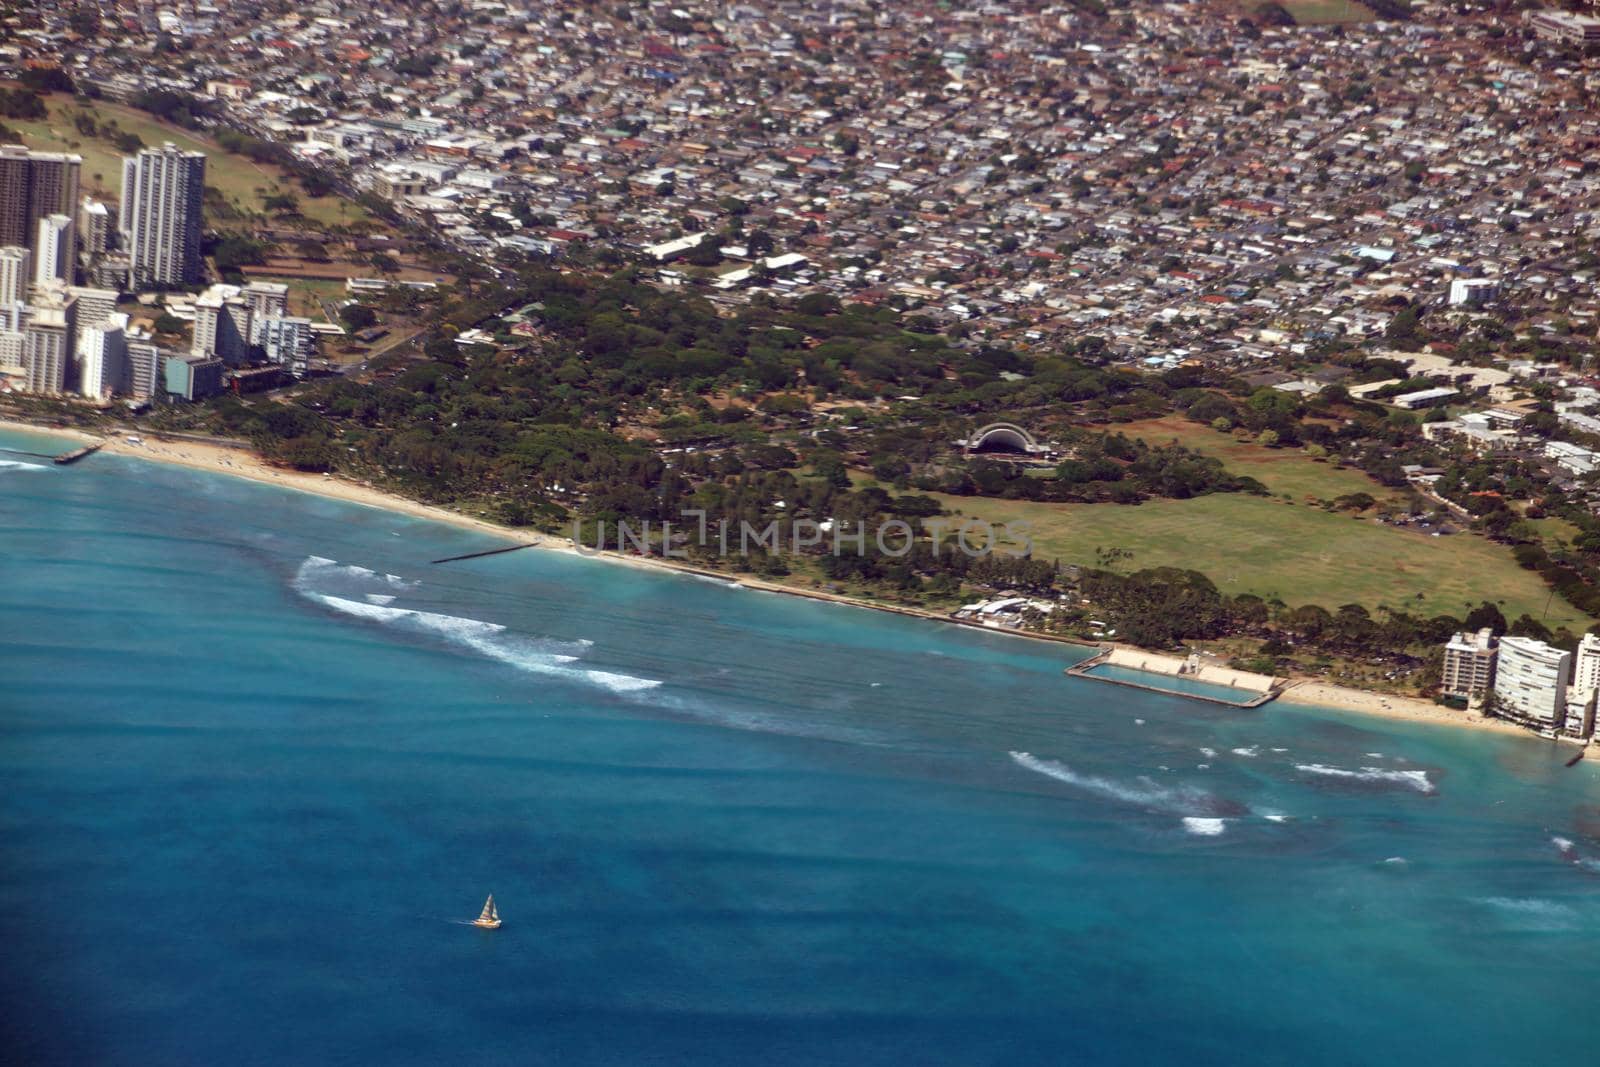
x=248 y=801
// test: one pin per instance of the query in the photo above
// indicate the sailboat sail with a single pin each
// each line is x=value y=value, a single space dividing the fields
x=488 y=909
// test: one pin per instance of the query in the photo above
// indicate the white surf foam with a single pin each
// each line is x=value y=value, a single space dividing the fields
x=1204 y=827
x=1143 y=791
x=1542 y=914
x=1563 y=844
x=1208 y=753
x=1417 y=780
x=1249 y=752
x=1276 y=818
x=490 y=639
x=18 y=465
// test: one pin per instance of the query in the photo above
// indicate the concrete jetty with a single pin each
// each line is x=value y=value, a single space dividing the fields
x=486 y=552
x=76 y=454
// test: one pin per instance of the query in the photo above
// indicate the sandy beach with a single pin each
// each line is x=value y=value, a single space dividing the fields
x=1393 y=706
x=243 y=463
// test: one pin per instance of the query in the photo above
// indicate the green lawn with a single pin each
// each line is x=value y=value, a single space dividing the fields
x=1327 y=12
x=1281 y=470
x=303 y=293
x=243 y=182
x=1250 y=544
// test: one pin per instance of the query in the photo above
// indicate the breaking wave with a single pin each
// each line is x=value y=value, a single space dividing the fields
x=18 y=465
x=490 y=639
x=322 y=567
x=1417 y=780
x=1202 y=812
x=1533 y=912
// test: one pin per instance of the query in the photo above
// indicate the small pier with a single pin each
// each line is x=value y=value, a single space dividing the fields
x=1166 y=666
x=486 y=552
x=76 y=454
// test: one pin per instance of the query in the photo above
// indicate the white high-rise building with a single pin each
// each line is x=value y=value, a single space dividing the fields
x=94 y=305
x=15 y=274
x=103 y=358
x=11 y=363
x=287 y=341
x=52 y=257
x=221 y=325
x=162 y=193
x=1469 y=664
x=94 y=227
x=1581 y=696
x=267 y=300
x=1530 y=682
x=47 y=341
x=144 y=365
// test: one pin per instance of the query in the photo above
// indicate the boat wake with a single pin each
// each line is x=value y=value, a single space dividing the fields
x=1417 y=780
x=534 y=655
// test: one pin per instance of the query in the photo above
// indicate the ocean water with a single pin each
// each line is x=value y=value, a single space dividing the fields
x=260 y=762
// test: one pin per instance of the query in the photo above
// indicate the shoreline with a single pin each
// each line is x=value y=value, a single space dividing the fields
x=245 y=463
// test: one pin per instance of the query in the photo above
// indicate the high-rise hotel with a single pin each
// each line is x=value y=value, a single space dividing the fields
x=162 y=193
x=35 y=186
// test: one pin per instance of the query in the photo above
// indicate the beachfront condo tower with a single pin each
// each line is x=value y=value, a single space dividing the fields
x=1530 y=682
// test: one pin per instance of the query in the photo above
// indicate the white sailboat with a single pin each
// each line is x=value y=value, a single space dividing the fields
x=490 y=919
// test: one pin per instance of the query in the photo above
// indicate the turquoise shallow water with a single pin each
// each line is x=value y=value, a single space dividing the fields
x=260 y=761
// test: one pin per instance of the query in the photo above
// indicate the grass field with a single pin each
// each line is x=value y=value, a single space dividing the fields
x=303 y=293
x=1327 y=12
x=1304 y=555
x=243 y=182
x=1281 y=470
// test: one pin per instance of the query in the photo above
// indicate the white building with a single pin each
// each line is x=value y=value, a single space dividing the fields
x=1469 y=664
x=1473 y=291
x=47 y=344
x=221 y=325
x=103 y=358
x=287 y=340
x=266 y=299
x=1530 y=682
x=144 y=366
x=15 y=262
x=52 y=257
x=94 y=305
x=94 y=227
x=162 y=193
x=1585 y=685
